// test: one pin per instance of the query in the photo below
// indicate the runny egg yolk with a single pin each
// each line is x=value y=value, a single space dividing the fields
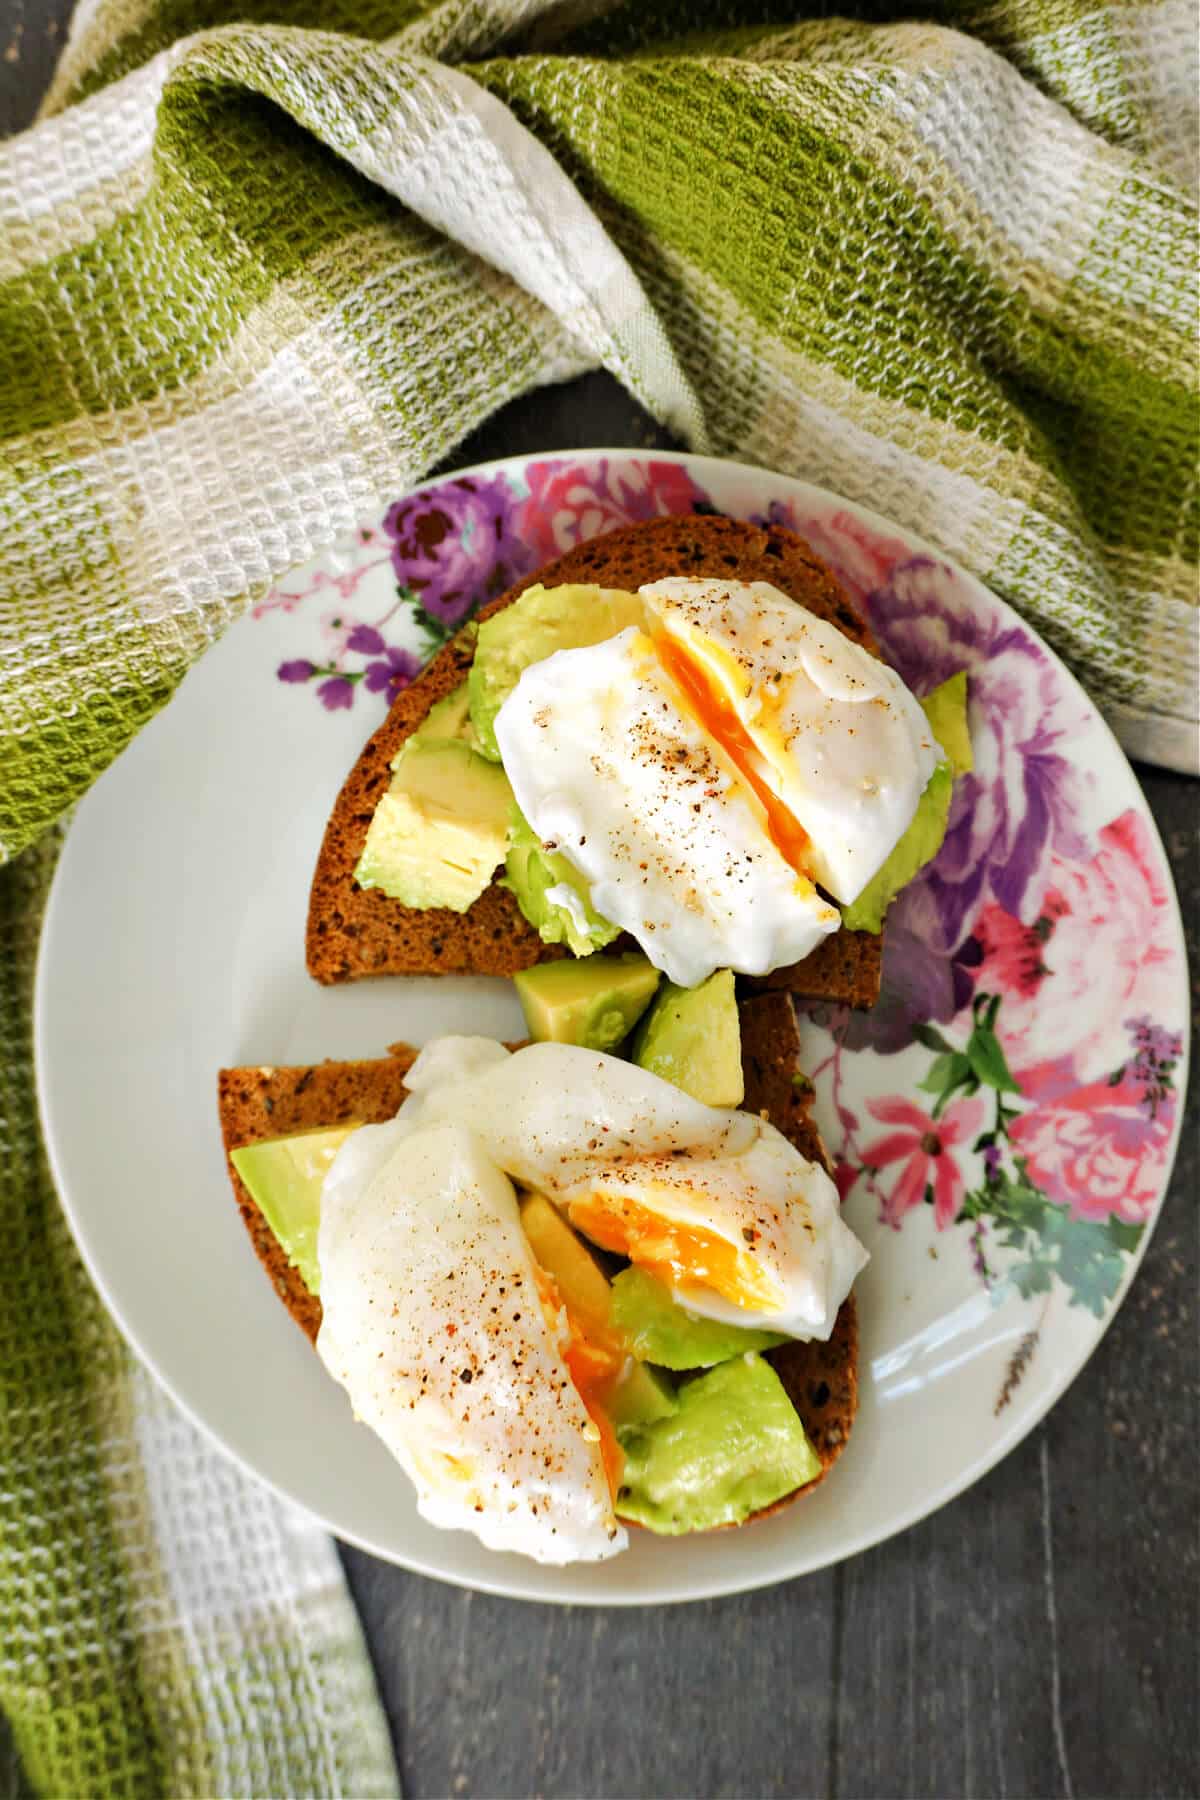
x=676 y=1253
x=594 y=1367
x=715 y=715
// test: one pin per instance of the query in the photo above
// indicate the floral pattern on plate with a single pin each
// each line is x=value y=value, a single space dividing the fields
x=1016 y=1082
x=451 y=547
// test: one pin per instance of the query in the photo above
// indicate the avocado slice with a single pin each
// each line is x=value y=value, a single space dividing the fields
x=640 y=1396
x=659 y=1330
x=440 y=831
x=734 y=1444
x=560 y=1250
x=284 y=1177
x=551 y=892
x=594 y=1003
x=692 y=1037
x=449 y=718
x=538 y=623
x=946 y=710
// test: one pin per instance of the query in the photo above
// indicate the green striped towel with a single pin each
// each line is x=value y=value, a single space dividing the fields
x=260 y=266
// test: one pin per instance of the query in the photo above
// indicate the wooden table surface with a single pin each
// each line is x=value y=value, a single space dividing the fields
x=1037 y=1637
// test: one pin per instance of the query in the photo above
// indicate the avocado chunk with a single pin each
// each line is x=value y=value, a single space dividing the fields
x=594 y=1003
x=692 y=1037
x=550 y=892
x=558 y=1248
x=448 y=718
x=538 y=623
x=946 y=710
x=440 y=831
x=734 y=1445
x=659 y=1330
x=284 y=1178
x=641 y=1395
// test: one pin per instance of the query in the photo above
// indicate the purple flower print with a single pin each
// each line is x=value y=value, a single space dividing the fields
x=393 y=671
x=336 y=694
x=454 y=544
x=920 y=981
x=1022 y=802
x=389 y=669
x=366 y=641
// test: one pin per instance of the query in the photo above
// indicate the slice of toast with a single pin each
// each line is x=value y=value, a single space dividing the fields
x=255 y=1104
x=355 y=931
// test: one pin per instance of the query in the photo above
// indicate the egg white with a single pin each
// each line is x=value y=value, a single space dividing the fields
x=579 y=1124
x=841 y=742
x=434 y=1325
x=611 y=770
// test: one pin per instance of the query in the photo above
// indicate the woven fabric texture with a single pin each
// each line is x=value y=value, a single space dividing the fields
x=261 y=266
x=166 y=1625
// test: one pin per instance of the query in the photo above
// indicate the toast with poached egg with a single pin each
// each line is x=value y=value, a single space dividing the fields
x=356 y=930
x=818 y=1377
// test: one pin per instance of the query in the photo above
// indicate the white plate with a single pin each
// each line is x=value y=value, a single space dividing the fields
x=174 y=945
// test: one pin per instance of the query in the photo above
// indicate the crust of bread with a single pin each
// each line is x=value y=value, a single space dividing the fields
x=354 y=932
x=255 y=1104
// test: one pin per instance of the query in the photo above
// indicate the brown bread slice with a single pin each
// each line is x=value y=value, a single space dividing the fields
x=821 y=1379
x=256 y=1104
x=354 y=931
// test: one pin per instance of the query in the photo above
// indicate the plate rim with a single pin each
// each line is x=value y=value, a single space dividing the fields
x=1023 y=1423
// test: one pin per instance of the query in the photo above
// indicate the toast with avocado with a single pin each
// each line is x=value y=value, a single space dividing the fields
x=421 y=791
x=696 y=1394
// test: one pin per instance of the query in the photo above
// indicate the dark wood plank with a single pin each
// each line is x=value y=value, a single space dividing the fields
x=499 y=1698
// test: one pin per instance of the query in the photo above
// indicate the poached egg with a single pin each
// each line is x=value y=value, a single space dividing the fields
x=611 y=768
x=436 y=1324
x=714 y=1202
x=705 y=774
x=829 y=737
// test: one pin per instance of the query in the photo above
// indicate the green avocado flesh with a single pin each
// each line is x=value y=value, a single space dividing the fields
x=641 y=1396
x=441 y=830
x=693 y=1038
x=595 y=1004
x=533 y=873
x=537 y=624
x=284 y=1178
x=946 y=710
x=733 y=1445
x=659 y=1330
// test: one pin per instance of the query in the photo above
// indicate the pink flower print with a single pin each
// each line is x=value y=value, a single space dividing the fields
x=1097 y=1149
x=571 y=502
x=845 y=1175
x=1013 y=955
x=1062 y=998
x=858 y=554
x=925 y=1147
